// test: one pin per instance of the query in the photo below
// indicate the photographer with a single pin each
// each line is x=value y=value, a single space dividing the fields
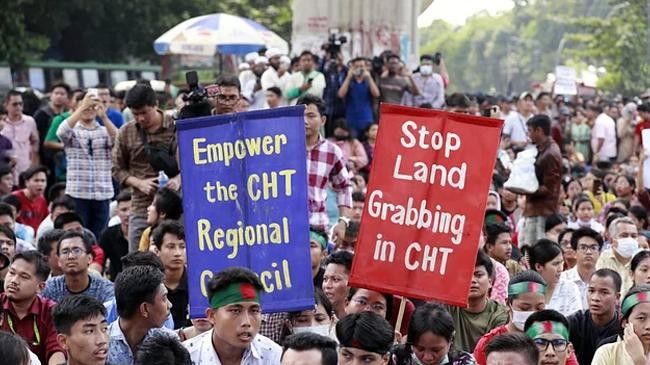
x=335 y=73
x=430 y=84
x=358 y=90
x=88 y=148
x=394 y=82
x=306 y=81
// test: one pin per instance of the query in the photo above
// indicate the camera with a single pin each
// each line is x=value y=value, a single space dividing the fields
x=198 y=104
x=334 y=42
x=437 y=57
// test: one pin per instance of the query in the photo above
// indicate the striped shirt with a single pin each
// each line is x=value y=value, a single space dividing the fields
x=88 y=151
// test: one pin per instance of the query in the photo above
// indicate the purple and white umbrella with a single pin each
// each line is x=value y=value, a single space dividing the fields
x=222 y=33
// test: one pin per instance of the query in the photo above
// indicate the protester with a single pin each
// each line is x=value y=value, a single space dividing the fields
x=589 y=328
x=515 y=132
x=396 y=81
x=273 y=97
x=162 y=348
x=235 y=312
x=430 y=84
x=81 y=325
x=623 y=235
x=8 y=222
x=583 y=210
x=318 y=252
x=335 y=280
x=48 y=246
x=586 y=243
x=166 y=204
x=570 y=256
x=511 y=349
x=550 y=331
x=498 y=245
x=71 y=222
x=59 y=99
x=603 y=133
x=57 y=206
x=318 y=320
x=364 y=337
x=309 y=349
x=114 y=240
x=561 y=295
x=33 y=204
x=14 y=349
x=353 y=152
x=22 y=131
x=640 y=268
x=306 y=81
x=358 y=89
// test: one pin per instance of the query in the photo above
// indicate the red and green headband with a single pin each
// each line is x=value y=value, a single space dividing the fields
x=235 y=293
x=634 y=299
x=313 y=236
x=552 y=327
x=526 y=287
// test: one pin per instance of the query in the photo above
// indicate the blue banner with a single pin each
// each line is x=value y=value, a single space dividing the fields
x=245 y=202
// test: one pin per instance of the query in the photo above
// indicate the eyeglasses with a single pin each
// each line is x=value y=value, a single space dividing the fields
x=222 y=97
x=558 y=344
x=585 y=248
x=375 y=307
x=75 y=251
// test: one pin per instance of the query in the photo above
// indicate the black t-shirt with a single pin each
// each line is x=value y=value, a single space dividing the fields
x=180 y=299
x=318 y=279
x=115 y=246
x=585 y=335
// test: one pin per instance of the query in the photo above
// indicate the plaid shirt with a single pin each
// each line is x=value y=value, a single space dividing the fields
x=88 y=151
x=325 y=164
x=130 y=157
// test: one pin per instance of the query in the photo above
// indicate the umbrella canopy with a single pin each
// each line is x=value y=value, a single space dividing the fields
x=217 y=33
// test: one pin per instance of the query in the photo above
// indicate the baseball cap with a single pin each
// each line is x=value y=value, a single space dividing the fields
x=526 y=94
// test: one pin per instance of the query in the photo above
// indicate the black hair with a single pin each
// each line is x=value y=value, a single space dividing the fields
x=553 y=220
x=319 y=231
x=564 y=232
x=167 y=226
x=54 y=191
x=169 y=202
x=9 y=233
x=630 y=180
x=359 y=197
x=546 y=315
x=38 y=260
x=343 y=258
x=140 y=96
x=276 y=90
x=306 y=52
x=595 y=107
x=67 y=217
x=388 y=297
x=516 y=343
x=311 y=341
x=231 y=275
x=75 y=308
x=391 y=56
x=641 y=214
x=581 y=199
x=493 y=231
x=63 y=85
x=586 y=232
x=319 y=298
x=64 y=202
x=6 y=209
x=142 y=258
x=229 y=81
x=13 y=349
x=617 y=210
x=366 y=331
x=543 y=251
x=611 y=218
x=47 y=239
x=540 y=121
x=123 y=196
x=458 y=100
x=352 y=230
x=482 y=259
x=88 y=245
x=523 y=276
x=11 y=201
x=308 y=99
x=5 y=169
x=10 y=93
x=542 y=94
x=426 y=57
x=609 y=273
x=30 y=172
x=135 y=285
x=162 y=348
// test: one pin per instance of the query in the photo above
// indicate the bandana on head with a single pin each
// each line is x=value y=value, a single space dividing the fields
x=634 y=299
x=313 y=236
x=235 y=293
x=526 y=287
x=540 y=328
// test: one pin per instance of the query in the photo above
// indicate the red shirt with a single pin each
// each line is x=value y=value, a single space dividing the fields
x=40 y=314
x=644 y=124
x=32 y=212
x=479 y=350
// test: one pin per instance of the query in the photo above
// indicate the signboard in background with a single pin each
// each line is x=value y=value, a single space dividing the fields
x=425 y=203
x=565 y=81
x=245 y=202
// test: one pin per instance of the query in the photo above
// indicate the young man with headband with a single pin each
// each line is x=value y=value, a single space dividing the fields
x=550 y=331
x=512 y=349
x=235 y=313
x=365 y=338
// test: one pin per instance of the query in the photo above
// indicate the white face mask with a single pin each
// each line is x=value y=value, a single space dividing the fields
x=519 y=318
x=426 y=69
x=322 y=330
x=627 y=246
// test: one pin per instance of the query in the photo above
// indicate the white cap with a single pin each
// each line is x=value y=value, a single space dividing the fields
x=261 y=60
x=272 y=52
x=250 y=57
x=244 y=66
x=285 y=59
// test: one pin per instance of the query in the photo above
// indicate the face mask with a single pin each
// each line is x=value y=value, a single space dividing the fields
x=322 y=330
x=519 y=318
x=416 y=361
x=340 y=137
x=426 y=69
x=627 y=247
x=358 y=72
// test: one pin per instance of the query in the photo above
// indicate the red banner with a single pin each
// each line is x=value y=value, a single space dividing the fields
x=420 y=228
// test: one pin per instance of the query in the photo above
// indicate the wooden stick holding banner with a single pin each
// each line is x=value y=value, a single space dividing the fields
x=400 y=315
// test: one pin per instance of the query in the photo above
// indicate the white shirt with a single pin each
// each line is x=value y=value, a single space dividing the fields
x=515 y=127
x=573 y=276
x=566 y=298
x=262 y=351
x=604 y=127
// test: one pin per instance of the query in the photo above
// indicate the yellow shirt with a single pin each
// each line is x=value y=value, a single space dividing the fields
x=598 y=205
x=144 y=240
x=607 y=260
x=612 y=354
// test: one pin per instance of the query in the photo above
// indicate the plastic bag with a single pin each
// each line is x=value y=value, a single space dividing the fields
x=522 y=178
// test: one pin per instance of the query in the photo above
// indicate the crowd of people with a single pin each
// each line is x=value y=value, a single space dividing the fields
x=93 y=253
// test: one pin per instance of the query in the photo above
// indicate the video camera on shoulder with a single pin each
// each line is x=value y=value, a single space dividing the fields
x=197 y=99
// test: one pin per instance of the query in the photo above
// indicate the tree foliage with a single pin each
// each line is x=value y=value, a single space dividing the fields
x=510 y=51
x=113 y=31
